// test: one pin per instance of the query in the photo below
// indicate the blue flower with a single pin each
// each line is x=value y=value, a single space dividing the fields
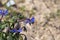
x=32 y=20
x=14 y=30
x=27 y=21
x=3 y=12
x=20 y=30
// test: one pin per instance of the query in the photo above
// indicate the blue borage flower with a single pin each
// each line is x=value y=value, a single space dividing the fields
x=3 y=12
x=27 y=21
x=32 y=20
x=14 y=30
x=20 y=30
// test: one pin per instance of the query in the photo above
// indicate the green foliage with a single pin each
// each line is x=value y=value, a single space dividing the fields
x=9 y=36
x=32 y=12
x=58 y=13
x=22 y=9
x=8 y=22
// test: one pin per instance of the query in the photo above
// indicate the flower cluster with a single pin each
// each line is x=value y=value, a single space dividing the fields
x=3 y=12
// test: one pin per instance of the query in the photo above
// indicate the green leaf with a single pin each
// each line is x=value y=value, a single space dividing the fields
x=20 y=38
x=11 y=20
x=21 y=17
x=9 y=38
x=22 y=8
x=3 y=26
x=1 y=36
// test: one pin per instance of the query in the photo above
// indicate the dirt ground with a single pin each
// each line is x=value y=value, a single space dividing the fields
x=44 y=28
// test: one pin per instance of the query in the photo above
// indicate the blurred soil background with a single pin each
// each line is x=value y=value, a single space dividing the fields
x=47 y=18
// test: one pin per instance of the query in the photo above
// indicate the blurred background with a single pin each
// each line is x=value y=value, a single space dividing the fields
x=45 y=12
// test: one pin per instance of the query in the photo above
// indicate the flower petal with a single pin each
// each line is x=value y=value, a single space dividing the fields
x=20 y=30
x=12 y=2
x=32 y=20
x=8 y=4
x=5 y=12
x=27 y=21
x=14 y=30
x=1 y=11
